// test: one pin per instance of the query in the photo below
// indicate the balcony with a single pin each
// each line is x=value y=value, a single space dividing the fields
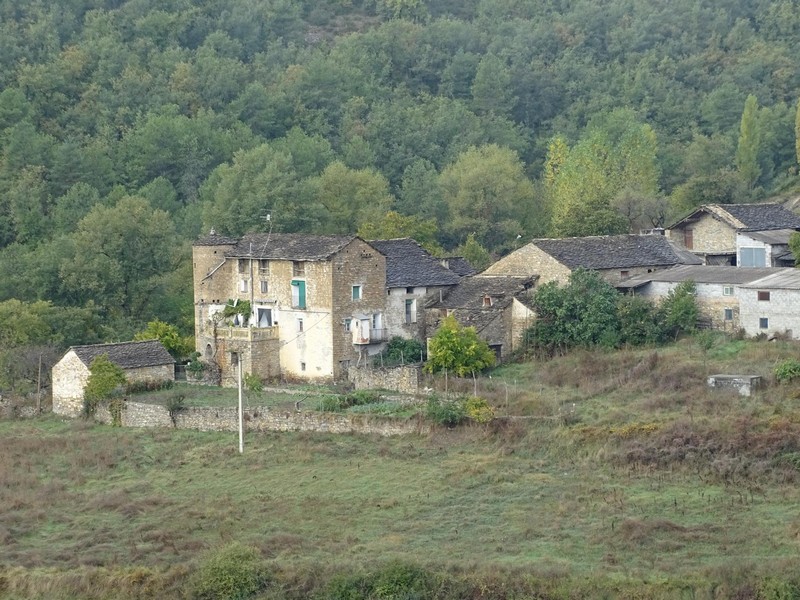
x=376 y=336
x=248 y=334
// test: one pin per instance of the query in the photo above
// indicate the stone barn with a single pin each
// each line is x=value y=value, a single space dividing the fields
x=141 y=361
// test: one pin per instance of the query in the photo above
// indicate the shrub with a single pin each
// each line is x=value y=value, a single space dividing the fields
x=104 y=379
x=445 y=412
x=195 y=367
x=331 y=404
x=360 y=397
x=139 y=387
x=253 y=383
x=478 y=409
x=175 y=404
x=234 y=572
x=401 y=351
x=787 y=370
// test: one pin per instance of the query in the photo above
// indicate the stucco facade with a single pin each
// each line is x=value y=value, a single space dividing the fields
x=771 y=305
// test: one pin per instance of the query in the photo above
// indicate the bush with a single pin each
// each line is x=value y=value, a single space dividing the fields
x=175 y=404
x=331 y=404
x=478 y=409
x=446 y=412
x=233 y=572
x=253 y=383
x=139 y=387
x=400 y=351
x=787 y=370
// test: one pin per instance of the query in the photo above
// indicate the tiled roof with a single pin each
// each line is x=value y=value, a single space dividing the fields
x=459 y=265
x=701 y=274
x=289 y=246
x=760 y=217
x=615 y=251
x=471 y=291
x=409 y=264
x=128 y=355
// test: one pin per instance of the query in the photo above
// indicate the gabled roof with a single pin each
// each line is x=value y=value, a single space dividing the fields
x=724 y=275
x=774 y=237
x=615 y=251
x=128 y=355
x=471 y=291
x=747 y=217
x=409 y=264
x=289 y=246
x=459 y=265
x=783 y=279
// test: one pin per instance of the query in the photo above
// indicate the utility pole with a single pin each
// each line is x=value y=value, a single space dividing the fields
x=241 y=414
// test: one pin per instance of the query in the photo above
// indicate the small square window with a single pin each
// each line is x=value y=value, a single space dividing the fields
x=302 y=366
x=263 y=266
x=624 y=273
x=727 y=290
x=763 y=323
x=763 y=296
x=242 y=265
x=348 y=324
x=298 y=268
x=409 y=290
x=729 y=314
x=356 y=292
x=264 y=287
x=244 y=285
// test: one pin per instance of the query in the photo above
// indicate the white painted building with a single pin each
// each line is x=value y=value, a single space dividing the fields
x=771 y=304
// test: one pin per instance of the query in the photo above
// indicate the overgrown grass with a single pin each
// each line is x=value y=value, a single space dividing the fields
x=651 y=486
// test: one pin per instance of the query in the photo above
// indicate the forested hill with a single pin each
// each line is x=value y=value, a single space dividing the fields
x=128 y=127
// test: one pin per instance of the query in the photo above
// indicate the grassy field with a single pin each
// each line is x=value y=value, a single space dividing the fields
x=622 y=476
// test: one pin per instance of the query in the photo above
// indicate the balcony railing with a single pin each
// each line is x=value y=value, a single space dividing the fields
x=250 y=334
x=376 y=336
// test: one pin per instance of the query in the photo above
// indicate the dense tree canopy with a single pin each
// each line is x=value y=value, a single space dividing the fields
x=128 y=127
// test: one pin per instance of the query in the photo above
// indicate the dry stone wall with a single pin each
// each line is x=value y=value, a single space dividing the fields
x=404 y=379
x=138 y=414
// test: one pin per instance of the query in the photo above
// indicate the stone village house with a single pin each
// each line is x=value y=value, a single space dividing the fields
x=615 y=257
x=141 y=361
x=316 y=304
x=744 y=235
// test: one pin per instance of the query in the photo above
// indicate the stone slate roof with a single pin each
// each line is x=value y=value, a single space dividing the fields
x=214 y=239
x=774 y=237
x=724 y=275
x=470 y=292
x=289 y=246
x=128 y=355
x=615 y=251
x=460 y=266
x=748 y=217
x=409 y=265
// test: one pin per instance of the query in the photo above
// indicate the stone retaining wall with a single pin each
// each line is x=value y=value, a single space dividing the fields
x=138 y=414
x=404 y=379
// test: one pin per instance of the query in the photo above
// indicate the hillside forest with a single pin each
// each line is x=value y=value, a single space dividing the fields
x=130 y=127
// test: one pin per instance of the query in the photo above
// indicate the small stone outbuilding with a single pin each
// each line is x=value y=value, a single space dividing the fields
x=141 y=361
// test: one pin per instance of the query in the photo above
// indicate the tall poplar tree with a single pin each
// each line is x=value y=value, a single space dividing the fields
x=749 y=142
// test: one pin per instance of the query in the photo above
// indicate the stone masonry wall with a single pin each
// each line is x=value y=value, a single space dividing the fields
x=404 y=379
x=137 y=414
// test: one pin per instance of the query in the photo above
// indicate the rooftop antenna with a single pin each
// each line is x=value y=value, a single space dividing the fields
x=267 y=219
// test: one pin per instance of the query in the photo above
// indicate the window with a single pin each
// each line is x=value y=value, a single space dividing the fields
x=244 y=285
x=487 y=301
x=264 y=317
x=300 y=325
x=298 y=294
x=688 y=238
x=264 y=287
x=763 y=296
x=624 y=273
x=356 y=292
x=263 y=266
x=411 y=311
x=728 y=314
x=348 y=324
x=298 y=268
x=242 y=265
x=727 y=290
x=234 y=359
x=752 y=257
x=410 y=290
x=302 y=366
x=763 y=323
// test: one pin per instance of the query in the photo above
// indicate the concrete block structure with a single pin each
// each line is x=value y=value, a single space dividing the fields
x=771 y=305
x=141 y=361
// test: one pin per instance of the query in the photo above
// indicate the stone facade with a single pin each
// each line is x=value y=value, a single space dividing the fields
x=744 y=385
x=529 y=261
x=781 y=311
x=316 y=338
x=404 y=379
x=716 y=301
x=708 y=234
x=70 y=375
x=137 y=414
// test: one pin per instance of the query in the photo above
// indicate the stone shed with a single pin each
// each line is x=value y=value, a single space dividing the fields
x=141 y=361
